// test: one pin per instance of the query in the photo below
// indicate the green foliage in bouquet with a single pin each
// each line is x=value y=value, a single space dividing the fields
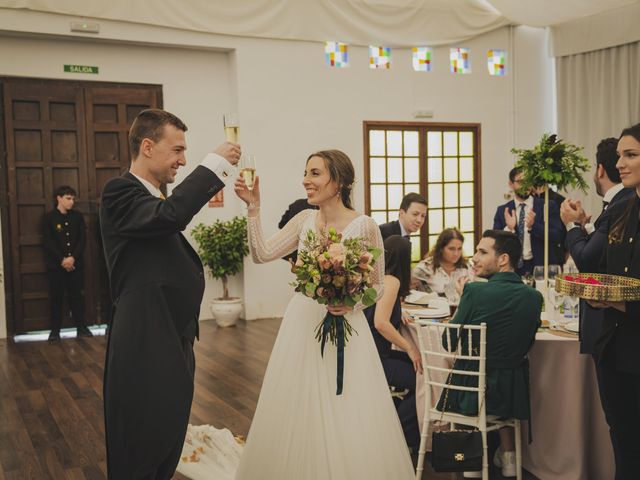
x=552 y=162
x=222 y=248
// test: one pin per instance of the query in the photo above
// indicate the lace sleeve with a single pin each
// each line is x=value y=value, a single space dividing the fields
x=280 y=244
x=372 y=237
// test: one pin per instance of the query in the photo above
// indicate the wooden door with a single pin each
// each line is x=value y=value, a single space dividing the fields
x=110 y=110
x=59 y=133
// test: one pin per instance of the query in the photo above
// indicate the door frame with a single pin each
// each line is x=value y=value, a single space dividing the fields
x=7 y=320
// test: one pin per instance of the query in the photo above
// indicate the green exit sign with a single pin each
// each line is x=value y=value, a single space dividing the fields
x=81 y=69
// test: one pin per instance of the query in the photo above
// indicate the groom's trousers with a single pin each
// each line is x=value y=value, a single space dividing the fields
x=167 y=467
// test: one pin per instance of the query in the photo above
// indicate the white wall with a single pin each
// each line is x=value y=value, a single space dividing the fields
x=291 y=104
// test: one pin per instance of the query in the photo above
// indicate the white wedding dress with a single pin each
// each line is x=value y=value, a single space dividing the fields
x=301 y=429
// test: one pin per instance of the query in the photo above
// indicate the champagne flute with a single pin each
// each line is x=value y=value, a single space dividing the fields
x=231 y=127
x=248 y=173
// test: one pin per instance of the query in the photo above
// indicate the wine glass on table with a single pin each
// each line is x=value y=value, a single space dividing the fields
x=248 y=173
x=554 y=298
x=231 y=127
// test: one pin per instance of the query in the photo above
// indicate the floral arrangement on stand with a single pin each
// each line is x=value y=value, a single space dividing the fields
x=335 y=272
x=551 y=162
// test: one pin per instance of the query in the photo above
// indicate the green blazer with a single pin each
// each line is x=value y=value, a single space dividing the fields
x=511 y=311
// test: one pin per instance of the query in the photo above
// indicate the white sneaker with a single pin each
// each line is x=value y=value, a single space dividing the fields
x=472 y=474
x=509 y=464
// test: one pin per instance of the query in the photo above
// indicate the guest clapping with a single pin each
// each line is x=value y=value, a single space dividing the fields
x=443 y=265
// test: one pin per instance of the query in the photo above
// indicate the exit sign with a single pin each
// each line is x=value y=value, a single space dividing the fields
x=81 y=69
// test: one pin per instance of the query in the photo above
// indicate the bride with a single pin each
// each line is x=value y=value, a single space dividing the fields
x=301 y=429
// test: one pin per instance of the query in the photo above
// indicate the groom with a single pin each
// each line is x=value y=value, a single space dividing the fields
x=157 y=283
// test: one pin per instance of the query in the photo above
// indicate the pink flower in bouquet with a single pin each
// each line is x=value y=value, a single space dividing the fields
x=326 y=278
x=321 y=292
x=324 y=261
x=365 y=258
x=337 y=253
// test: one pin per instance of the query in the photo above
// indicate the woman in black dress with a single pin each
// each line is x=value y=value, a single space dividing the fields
x=618 y=348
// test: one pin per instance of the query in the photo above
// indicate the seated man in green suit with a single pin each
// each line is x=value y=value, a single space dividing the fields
x=511 y=311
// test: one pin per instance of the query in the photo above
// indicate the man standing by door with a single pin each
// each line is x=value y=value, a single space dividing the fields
x=157 y=282
x=64 y=236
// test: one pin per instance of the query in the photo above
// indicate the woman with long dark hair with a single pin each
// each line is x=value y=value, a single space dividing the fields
x=385 y=319
x=443 y=265
x=618 y=346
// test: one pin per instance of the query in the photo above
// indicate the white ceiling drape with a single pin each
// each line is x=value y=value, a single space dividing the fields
x=576 y=25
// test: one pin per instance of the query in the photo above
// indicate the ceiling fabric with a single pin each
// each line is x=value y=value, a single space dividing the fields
x=575 y=24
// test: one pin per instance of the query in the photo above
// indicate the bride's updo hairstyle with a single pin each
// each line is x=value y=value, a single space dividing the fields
x=340 y=171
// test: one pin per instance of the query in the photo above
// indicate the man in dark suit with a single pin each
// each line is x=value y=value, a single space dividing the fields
x=64 y=238
x=411 y=217
x=584 y=240
x=524 y=216
x=587 y=242
x=157 y=283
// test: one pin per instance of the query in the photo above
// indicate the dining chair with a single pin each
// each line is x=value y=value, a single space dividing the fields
x=431 y=336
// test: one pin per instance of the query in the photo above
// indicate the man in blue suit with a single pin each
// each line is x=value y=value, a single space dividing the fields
x=524 y=216
x=586 y=242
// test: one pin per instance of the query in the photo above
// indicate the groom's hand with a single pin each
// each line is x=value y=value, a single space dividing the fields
x=230 y=152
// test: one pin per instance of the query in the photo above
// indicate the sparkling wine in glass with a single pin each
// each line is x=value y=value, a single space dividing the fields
x=231 y=127
x=248 y=173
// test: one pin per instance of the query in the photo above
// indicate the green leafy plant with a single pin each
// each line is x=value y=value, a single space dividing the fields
x=222 y=248
x=552 y=162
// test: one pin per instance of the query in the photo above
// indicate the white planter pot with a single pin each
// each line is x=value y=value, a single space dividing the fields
x=226 y=312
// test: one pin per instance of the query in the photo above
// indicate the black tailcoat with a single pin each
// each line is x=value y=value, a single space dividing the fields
x=157 y=283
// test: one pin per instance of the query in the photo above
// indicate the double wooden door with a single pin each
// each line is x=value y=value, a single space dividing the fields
x=59 y=133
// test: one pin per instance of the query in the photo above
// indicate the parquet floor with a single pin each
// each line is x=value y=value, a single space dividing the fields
x=51 y=415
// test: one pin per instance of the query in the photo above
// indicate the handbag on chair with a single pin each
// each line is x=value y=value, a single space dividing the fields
x=456 y=450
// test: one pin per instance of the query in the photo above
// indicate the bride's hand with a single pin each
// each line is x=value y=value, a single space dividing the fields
x=245 y=194
x=339 y=310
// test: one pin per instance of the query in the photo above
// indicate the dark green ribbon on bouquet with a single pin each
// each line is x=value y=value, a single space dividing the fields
x=336 y=329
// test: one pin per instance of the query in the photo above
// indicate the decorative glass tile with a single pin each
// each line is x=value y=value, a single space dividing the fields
x=336 y=54
x=434 y=144
x=460 y=60
x=496 y=61
x=411 y=144
x=379 y=217
x=422 y=59
x=379 y=57
x=411 y=187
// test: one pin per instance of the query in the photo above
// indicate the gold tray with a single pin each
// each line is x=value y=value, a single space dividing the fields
x=614 y=288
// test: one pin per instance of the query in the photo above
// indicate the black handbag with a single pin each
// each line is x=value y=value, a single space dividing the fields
x=456 y=451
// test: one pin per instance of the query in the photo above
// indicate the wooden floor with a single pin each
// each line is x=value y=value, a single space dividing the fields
x=51 y=415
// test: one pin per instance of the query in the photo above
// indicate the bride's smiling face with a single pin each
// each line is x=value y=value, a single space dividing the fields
x=317 y=182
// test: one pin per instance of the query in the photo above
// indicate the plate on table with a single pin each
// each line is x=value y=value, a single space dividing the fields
x=429 y=313
x=419 y=298
x=573 y=327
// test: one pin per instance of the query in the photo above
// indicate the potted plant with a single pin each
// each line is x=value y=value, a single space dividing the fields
x=222 y=247
x=551 y=162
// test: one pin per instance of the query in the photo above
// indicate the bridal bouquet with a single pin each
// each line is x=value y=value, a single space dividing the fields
x=335 y=272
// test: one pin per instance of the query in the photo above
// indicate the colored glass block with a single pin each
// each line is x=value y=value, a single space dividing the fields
x=379 y=57
x=460 y=59
x=496 y=62
x=422 y=59
x=336 y=54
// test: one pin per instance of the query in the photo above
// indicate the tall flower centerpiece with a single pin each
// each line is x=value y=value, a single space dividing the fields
x=551 y=162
